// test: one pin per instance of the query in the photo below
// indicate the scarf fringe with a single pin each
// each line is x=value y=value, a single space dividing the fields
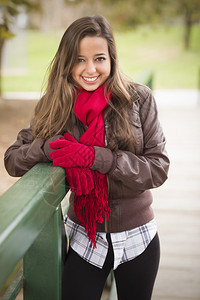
x=93 y=207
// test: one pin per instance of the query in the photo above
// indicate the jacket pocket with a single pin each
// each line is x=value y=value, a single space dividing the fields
x=135 y=119
x=136 y=125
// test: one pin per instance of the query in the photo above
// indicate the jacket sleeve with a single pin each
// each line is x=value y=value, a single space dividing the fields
x=21 y=156
x=148 y=169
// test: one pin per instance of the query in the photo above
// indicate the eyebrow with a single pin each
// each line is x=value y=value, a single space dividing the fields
x=98 y=54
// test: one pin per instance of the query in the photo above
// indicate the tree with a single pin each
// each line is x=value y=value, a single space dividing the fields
x=134 y=12
x=188 y=11
x=9 y=9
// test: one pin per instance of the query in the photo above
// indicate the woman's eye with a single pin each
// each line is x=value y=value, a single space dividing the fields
x=80 y=60
x=100 y=58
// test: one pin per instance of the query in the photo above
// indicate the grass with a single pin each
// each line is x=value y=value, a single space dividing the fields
x=160 y=48
x=41 y=48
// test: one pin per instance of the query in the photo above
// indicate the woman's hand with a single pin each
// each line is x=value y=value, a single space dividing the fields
x=71 y=154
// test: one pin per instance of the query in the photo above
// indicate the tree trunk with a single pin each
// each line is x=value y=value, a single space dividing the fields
x=188 y=27
x=1 y=52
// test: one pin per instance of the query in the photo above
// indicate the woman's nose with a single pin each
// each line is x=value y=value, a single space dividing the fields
x=90 y=68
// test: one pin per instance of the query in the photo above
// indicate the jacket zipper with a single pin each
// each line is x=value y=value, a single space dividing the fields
x=106 y=225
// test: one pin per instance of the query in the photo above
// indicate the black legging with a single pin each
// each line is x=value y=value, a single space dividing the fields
x=134 y=279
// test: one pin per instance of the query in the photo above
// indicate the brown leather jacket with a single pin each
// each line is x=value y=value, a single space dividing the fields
x=130 y=176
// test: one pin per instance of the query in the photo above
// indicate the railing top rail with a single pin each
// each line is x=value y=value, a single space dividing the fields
x=25 y=209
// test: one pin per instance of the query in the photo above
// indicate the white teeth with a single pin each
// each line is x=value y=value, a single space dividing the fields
x=90 y=79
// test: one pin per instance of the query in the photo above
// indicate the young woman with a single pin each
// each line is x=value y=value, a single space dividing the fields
x=104 y=131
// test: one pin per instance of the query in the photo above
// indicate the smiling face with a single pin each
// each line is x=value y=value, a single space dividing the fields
x=93 y=64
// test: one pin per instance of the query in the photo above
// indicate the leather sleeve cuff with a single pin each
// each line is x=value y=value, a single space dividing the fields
x=46 y=148
x=104 y=160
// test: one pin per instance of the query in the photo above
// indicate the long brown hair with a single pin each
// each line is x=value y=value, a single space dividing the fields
x=54 y=111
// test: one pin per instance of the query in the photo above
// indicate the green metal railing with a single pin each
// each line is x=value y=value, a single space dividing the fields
x=146 y=78
x=31 y=229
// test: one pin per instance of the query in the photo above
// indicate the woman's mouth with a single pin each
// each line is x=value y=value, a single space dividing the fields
x=90 y=79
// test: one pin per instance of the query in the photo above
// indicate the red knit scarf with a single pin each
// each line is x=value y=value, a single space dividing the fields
x=93 y=207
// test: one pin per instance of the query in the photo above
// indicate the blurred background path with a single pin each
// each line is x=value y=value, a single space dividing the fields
x=177 y=202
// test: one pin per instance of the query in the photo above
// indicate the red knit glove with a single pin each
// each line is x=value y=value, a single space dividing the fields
x=71 y=154
x=80 y=180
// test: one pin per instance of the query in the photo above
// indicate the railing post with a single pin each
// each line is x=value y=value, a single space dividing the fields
x=43 y=262
x=146 y=78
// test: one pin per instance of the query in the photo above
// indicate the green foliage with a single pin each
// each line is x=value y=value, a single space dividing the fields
x=10 y=9
x=145 y=11
x=183 y=8
x=133 y=12
x=5 y=34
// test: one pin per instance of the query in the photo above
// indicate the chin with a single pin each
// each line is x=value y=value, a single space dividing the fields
x=90 y=88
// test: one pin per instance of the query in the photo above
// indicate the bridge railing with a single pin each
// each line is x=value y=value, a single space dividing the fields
x=31 y=228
